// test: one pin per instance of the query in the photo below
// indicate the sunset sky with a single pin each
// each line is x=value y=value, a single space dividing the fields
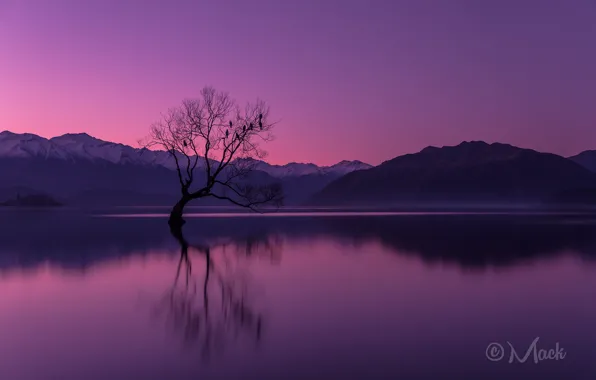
x=348 y=79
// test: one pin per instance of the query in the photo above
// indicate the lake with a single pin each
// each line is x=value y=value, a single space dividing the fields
x=113 y=295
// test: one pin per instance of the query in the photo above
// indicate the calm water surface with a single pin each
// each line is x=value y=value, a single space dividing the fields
x=322 y=296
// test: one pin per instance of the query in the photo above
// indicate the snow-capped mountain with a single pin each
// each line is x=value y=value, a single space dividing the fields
x=81 y=146
x=81 y=169
x=345 y=167
x=296 y=169
x=28 y=145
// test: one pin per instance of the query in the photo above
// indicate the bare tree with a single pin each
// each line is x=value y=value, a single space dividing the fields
x=215 y=136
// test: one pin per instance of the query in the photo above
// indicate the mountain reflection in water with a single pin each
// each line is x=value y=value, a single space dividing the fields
x=414 y=296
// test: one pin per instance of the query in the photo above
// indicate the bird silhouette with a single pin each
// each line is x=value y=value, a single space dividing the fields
x=185 y=144
x=244 y=128
x=228 y=132
x=230 y=123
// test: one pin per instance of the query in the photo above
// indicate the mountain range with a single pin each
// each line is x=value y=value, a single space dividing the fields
x=83 y=170
x=80 y=146
x=471 y=172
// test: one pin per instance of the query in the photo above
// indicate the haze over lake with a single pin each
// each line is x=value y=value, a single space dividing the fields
x=320 y=296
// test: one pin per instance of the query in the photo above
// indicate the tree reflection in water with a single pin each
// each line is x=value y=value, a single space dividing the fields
x=212 y=308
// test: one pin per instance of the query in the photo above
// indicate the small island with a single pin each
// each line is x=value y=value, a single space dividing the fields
x=33 y=200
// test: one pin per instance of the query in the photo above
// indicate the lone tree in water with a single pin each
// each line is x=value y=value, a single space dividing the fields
x=215 y=144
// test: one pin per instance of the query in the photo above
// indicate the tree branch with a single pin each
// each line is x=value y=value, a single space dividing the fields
x=214 y=129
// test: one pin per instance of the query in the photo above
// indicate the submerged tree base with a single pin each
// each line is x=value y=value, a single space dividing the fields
x=176 y=219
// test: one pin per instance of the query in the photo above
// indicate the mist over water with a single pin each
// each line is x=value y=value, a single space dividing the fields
x=323 y=295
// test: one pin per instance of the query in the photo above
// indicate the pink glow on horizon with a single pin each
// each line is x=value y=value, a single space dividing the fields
x=347 y=79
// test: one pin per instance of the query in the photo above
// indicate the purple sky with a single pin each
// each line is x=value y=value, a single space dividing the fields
x=348 y=79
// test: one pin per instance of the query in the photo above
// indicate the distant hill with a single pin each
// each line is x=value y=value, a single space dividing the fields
x=468 y=172
x=586 y=159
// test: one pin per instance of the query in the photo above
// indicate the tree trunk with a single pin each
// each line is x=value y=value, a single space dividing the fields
x=176 y=219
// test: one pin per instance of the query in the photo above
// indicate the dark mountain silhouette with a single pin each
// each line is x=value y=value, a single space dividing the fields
x=101 y=183
x=65 y=179
x=586 y=159
x=467 y=173
x=299 y=189
x=80 y=170
x=74 y=240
